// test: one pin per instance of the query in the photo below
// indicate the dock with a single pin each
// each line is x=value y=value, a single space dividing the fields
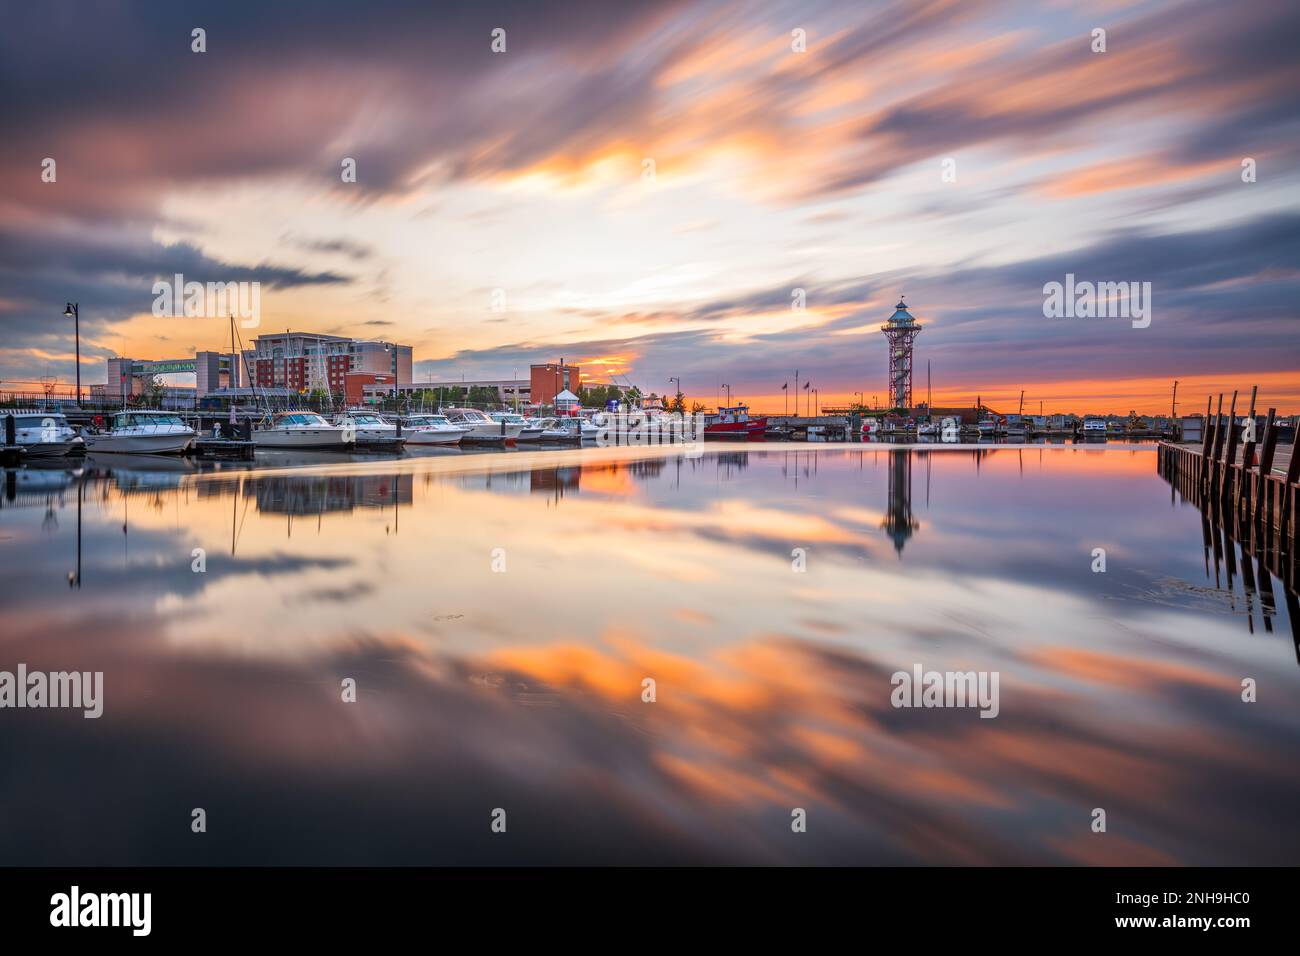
x=1244 y=482
x=223 y=448
x=810 y=427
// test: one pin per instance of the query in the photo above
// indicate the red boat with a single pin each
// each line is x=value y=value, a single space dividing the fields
x=734 y=422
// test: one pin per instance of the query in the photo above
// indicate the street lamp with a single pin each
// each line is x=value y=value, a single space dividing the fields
x=728 y=388
x=74 y=313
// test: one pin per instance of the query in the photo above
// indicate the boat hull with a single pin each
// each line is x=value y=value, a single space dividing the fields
x=493 y=433
x=168 y=444
x=434 y=437
x=753 y=428
x=49 y=449
x=331 y=438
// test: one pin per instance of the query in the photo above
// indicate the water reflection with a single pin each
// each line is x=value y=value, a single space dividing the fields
x=522 y=687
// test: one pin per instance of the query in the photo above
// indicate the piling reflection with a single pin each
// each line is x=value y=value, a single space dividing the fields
x=522 y=687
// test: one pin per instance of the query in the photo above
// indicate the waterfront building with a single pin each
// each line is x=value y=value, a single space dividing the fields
x=548 y=380
x=306 y=361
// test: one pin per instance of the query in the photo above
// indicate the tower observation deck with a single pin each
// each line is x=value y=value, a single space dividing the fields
x=901 y=331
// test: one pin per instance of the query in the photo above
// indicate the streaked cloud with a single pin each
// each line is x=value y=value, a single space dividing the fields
x=773 y=170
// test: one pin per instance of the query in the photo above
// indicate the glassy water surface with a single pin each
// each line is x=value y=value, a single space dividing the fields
x=500 y=614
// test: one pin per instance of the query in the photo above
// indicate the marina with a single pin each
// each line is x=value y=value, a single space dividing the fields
x=527 y=455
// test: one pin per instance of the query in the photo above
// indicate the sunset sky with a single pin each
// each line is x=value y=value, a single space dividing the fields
x=774 y=170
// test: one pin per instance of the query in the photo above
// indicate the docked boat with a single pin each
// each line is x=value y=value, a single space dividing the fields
x=367 y=428
x=553 y=431
x=584 y=429
x=300 y=430
x=483 y=429
x=142 y=433
x=1094 y=427
x=734 y=422
x=991 y=426
x=928 y=428
x=432 y=430
x=527 y=431
x=44 y=434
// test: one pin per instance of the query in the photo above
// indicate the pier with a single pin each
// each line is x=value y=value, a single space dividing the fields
x=1244 y=482
x=802 y=427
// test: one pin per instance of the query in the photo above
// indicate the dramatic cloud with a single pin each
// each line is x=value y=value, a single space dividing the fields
x=653 y=180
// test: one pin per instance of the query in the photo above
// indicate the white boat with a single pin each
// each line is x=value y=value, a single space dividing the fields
x=527 y=430
x=44 y=434
x=300 y=430
x=432 y=430
x=142 y=433
x=481 y=427
x=582 y=428
x=927 y=428
x=551 y=430
x=367 y=427
x=1094 y=426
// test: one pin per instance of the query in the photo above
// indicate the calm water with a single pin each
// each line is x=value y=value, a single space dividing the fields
x=480 y=689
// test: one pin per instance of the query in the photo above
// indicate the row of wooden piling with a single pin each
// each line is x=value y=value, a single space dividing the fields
x=1255 y=505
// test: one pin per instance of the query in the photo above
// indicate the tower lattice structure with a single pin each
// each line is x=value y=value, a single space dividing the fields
x=901 y=331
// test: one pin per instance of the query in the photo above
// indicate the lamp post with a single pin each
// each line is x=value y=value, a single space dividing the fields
x=728 y=388
x=678 y=380
x=73 y=312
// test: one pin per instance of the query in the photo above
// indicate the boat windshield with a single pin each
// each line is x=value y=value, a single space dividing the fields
x=368 y=420
x=40 y=421
x=145 y=419
x=300 y=419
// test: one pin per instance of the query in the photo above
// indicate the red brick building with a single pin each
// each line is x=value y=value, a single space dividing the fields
x=355 y=384
x=547 y=381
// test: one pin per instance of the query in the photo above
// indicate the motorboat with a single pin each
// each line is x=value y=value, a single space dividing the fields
x=527 y=431
x=734 y=422
x=367 y=428
x=432 y=430
x=44 y=434
x=483 y=429
x=551 y=430
x=301 y=430
x=574 y=426
x=1094 y=427
x=142 y=433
